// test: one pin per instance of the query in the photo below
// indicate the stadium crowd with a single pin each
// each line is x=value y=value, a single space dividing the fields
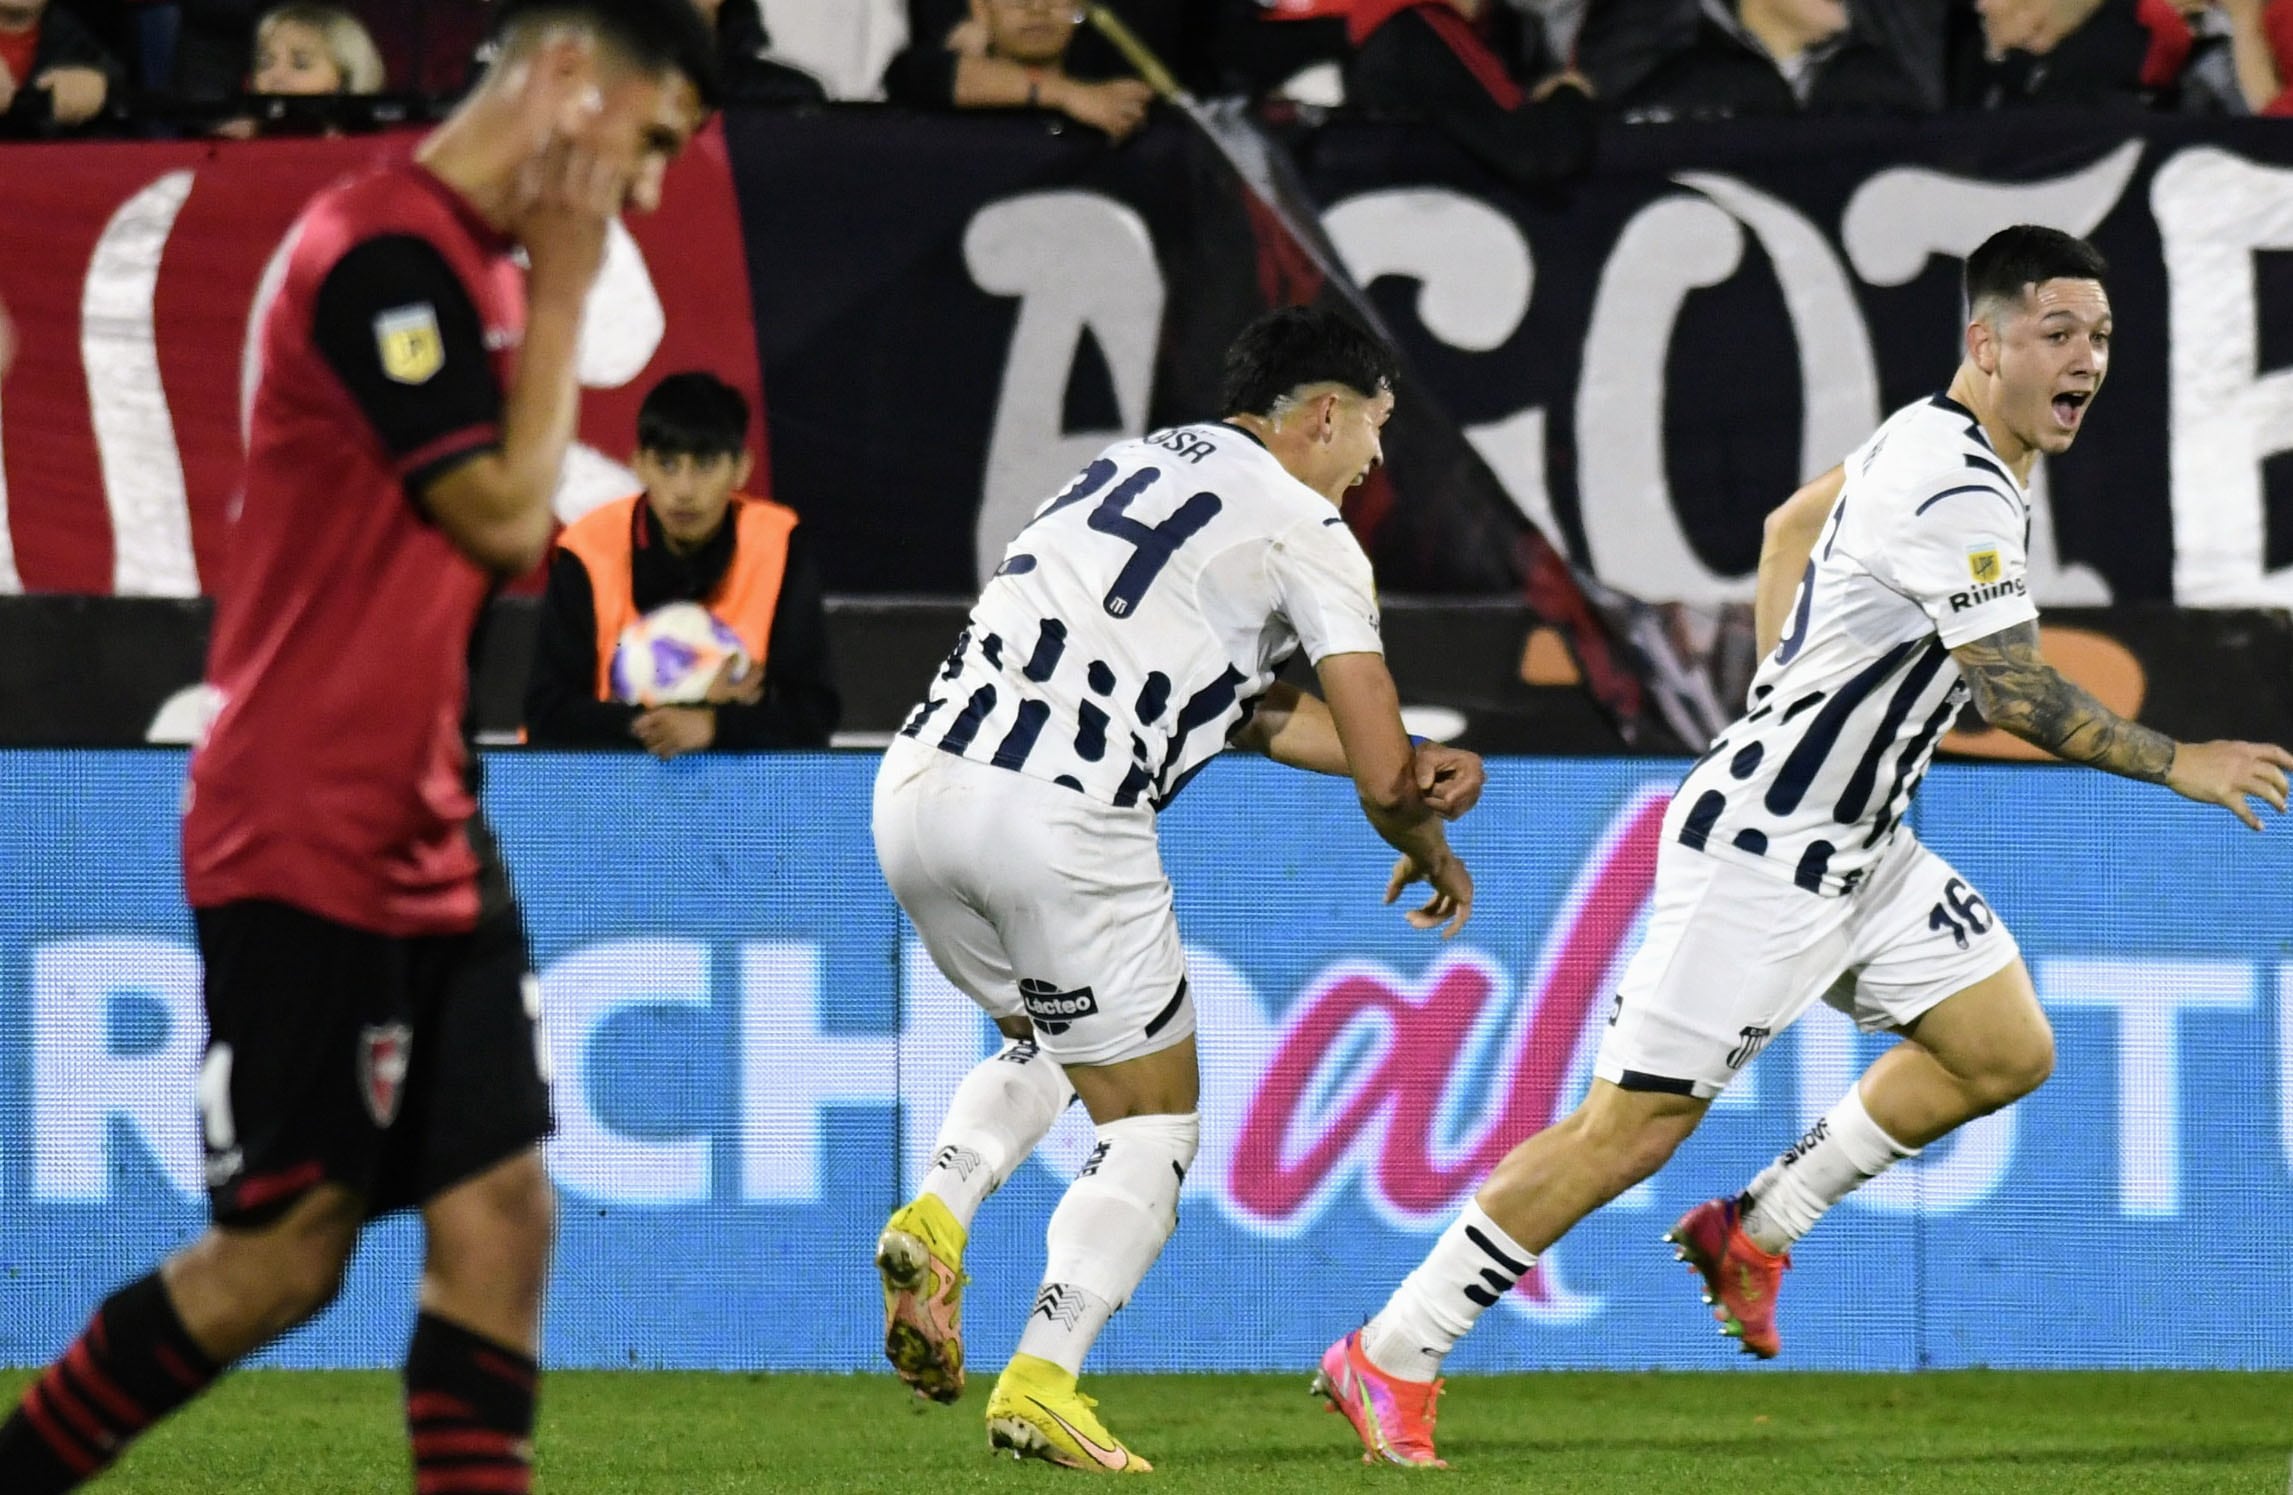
x=1522 y=77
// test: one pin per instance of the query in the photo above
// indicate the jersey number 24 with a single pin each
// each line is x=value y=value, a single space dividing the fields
x=1152 y=545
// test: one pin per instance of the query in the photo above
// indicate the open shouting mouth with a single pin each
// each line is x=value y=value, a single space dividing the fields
x=2070 y=407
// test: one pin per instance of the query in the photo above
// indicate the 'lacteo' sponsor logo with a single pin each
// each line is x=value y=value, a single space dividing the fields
x=1053 y=1009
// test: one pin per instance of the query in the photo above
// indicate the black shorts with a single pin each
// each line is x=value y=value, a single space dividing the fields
x=396 y=1067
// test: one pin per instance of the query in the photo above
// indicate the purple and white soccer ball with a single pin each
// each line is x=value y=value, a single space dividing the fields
x=669 y=656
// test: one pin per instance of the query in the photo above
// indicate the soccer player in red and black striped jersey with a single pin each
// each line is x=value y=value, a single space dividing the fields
x=370 y=1004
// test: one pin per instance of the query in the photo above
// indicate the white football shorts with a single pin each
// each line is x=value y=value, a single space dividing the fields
x=1034 y=899
x=1732 y=957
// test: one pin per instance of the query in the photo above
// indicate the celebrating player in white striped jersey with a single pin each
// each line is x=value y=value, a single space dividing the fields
x=1134 y=628
x=1889 y=589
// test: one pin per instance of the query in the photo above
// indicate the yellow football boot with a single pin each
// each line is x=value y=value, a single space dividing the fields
x=920 y=1258
x=1035 y=1412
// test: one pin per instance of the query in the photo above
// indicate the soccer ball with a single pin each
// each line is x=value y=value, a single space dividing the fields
x=669 y=656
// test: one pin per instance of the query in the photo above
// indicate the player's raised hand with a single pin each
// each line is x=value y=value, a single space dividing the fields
x=1452 y=901
x=2229 y=774
x=568 y=198
x=1450 y=778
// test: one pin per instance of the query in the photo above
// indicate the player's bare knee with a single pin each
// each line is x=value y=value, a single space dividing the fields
x=1637 y=1153
x=1631 y=1134
x=268 y=1277
x=494 y=1232
x=2018 y=1069
x=309 y=1281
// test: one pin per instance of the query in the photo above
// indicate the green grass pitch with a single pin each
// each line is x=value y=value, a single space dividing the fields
x=658 y=1433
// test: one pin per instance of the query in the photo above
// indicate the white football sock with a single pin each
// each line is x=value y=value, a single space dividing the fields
x=1107 y=1231
x=1000 y=1111
x=1473 y=1265
x=1839 y=1154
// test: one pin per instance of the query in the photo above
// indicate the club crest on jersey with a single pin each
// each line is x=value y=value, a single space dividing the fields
x=1053 y=1010
x=408 y=340
x=1982 y=563
x=383 y=1052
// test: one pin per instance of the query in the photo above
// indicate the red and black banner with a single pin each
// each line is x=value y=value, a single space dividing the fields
x=955 y=313
x=133 y=272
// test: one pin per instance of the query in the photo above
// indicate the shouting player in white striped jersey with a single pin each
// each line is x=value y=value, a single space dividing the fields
x=1133 y=630
x=1889 y=590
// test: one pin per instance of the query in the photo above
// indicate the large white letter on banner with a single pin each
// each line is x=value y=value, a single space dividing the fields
x=2149 y=997
x=10 y=582
x=1634 y=541
x=1633 y=538
x=1474 y=277
x=579 y=992
x=791 y=1072
x=1078 y=262
x=2285 y=1061
x=1838 y=375
x=2226 y=416
x=80 y=1082
x=135 y=434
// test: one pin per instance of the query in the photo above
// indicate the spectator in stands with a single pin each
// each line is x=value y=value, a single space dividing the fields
x=1622 y=42
x=1184 y=35
x=2219 y=56
x=690 y=536
x=314 y=49
x=1433 y=59
x=2084 y=53
x=55 y=76
x=751 y=76
x=2261 y=38
x=309 y=51
x=1012 y=54
x=1772 y=57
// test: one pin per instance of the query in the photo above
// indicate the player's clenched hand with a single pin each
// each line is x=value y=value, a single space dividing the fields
x=1452 y=901
x=2228 y=773
x=568 y=197
x=1449 y=778
x=667 y=731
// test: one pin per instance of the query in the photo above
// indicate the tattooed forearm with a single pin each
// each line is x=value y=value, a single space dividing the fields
x=2019 y=692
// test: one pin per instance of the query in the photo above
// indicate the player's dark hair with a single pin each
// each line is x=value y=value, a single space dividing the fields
x=693 y=415
x=657 y=35
x=2009 y=262
x=1289 y=348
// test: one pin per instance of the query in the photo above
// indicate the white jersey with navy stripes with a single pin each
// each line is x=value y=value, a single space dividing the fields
x=1143 y=611
x=1924 y=551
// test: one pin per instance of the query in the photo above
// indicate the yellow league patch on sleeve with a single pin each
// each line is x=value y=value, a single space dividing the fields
x=408 y=341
